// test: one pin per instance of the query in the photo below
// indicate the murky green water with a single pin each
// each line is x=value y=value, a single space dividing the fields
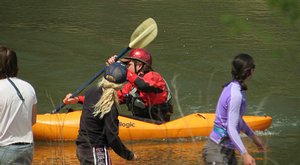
x=61 y=44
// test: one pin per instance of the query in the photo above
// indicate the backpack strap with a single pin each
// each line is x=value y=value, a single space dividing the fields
x=16 y=88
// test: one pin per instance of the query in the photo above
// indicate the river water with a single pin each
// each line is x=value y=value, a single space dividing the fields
x=61 y=44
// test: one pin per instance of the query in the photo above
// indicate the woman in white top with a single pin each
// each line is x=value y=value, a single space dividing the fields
x=17 y=112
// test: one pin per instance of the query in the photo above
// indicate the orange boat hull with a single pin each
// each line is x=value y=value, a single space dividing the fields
x=64 y=126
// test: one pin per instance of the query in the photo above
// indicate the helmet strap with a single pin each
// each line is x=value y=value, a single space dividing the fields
x=141 y=68
x=135 y=64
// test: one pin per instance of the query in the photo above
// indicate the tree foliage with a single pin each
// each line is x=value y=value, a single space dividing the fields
x=289 y=8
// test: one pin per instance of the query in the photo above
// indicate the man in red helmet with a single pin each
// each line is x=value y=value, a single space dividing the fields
x=146 y=94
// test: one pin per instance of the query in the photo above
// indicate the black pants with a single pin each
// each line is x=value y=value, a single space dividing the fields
x=93 y=155
x=218 y=155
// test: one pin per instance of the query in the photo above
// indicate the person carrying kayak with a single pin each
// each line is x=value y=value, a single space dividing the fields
x=231 y=107
x=146 y=94
x=99 y=122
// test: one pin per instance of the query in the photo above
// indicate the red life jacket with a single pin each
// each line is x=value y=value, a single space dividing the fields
x=152 y=78
x=148 y=97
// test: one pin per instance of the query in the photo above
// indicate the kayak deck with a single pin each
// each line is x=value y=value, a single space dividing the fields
x=65 y=126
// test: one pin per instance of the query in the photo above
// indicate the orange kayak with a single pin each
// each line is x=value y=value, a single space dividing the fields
x=64 y=126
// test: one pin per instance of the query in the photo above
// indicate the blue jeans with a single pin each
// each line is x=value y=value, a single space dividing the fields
x=16 y=154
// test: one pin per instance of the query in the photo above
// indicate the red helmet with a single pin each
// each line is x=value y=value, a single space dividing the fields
x=140 y=55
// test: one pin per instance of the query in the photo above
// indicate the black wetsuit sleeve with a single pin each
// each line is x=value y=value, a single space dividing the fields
x=145 y=87
x=112 y=134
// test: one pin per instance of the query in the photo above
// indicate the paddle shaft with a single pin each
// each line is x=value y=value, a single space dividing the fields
x=83 y=86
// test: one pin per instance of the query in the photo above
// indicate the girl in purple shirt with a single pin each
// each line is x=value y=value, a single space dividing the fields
x=231 y=107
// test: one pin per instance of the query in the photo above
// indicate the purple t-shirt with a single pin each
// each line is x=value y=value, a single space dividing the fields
x=230 y=110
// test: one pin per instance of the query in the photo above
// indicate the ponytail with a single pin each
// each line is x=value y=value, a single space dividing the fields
x=241 y=69
x=108 y=98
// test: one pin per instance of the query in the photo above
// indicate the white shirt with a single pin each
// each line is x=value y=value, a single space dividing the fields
x=15 y=114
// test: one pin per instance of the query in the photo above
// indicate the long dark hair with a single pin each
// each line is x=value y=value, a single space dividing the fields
x=241 y=68
x=8 y=63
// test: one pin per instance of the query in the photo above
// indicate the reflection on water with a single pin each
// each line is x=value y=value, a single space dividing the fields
x=55 y=153
x=148 y=152
x=153 y=152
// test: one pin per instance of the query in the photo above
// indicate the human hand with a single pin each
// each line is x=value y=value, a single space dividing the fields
x=248 y=159
x=111 y=60
x=67 y=100
x=134 y=157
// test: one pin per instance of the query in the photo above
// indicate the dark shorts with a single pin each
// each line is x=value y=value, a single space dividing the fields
x=218 y=155
x=92 y=156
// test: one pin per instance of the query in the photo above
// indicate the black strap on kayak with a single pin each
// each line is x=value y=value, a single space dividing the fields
x=16 y=88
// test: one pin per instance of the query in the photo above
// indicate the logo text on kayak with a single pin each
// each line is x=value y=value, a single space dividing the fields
x=127 y=125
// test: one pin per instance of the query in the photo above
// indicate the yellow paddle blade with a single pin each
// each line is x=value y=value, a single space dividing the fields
x=143 y=34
